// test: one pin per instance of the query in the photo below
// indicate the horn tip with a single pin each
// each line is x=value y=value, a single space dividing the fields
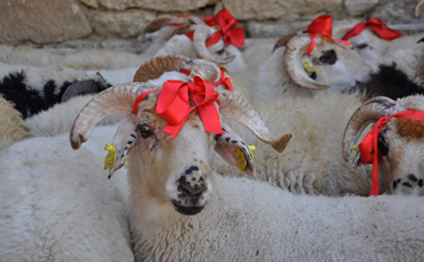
x=76 y=140
x=282 y=143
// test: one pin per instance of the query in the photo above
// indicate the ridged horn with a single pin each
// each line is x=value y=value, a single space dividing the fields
x=207 y=71
x=365 y=115
x=157 y=23
x=157 y=65
x=283 y=41
x=235 y=107
x=418 y=8
x=295 y=49
x=200 y=36
x=118 y=99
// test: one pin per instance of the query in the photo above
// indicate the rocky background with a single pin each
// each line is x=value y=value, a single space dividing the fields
x=118 y=23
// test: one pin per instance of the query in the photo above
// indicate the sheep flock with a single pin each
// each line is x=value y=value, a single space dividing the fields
x=211 y=146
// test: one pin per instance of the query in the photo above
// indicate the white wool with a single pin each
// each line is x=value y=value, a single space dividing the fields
x=312 y=163
x=56 y=210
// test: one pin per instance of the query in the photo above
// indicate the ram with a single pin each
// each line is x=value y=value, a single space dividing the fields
x=181 y=209
x=399 y=138
x=34 y=89
x=332 y=67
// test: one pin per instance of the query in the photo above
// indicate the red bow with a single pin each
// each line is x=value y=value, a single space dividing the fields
x=323 y=26
x=228 y=29
x=223 y=80
x=173 y=104
x=368 y=146
x=377 y=26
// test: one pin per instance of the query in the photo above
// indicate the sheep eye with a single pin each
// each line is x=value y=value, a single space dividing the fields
x=144 y=130
x=362 y=46
x=220 y=52
x=328 y=57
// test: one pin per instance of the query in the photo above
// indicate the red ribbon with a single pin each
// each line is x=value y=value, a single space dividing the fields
x=173 y=104
x=223 y=80
x=141 y=98
x=377 y=26
x=368 y=146
x=228 y=29
x=321 y=25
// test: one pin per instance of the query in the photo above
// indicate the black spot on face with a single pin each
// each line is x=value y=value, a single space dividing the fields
x=191 y=169
x=313 y=75
x=406 y=184
x=412 y=177
x=328 y=57
x=234 y=141
x=420 y=183
x=382 y=146
x=394 y=184
x=361 y=46
x=227 y=139
x=421 y=40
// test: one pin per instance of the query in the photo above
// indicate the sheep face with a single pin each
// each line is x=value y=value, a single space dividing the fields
x=337 y=65
x=401 y=145
x=180 y=165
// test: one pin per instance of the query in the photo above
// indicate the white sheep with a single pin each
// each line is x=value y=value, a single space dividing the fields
x=399 y=142
x=57 y=204
x=182 y=210
x=337 y=68
x=333 y=66
x=34 y=89
x=12 y=128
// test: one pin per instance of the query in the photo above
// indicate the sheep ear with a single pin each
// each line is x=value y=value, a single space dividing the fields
x=122 y=143
x=235 y=151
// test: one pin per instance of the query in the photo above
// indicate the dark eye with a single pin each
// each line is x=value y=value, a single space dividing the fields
x=220 y=52
x=362 y=46
x=144 y=130
x=328 y=57
x=382 y=145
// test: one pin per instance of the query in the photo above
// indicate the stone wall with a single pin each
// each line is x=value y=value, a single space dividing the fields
x=56 y=21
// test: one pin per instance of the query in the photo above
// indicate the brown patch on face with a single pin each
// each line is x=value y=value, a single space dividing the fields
x=410 y=128
x=326 y=39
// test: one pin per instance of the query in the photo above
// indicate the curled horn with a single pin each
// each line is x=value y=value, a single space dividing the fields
x=418 y=8
x=235 y=107
x=115 y=100
x=207 y=71
x=283 y=41
x=365 y=115
x=156 y=66
x=158 y=23
x=200 y=36
x=295 y=49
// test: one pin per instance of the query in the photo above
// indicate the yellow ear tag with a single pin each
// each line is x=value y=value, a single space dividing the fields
x=356 y=148
x=110 y=159
x=308 y=68
x=241 y=158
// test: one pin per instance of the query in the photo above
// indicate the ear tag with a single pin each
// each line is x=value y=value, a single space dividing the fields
x=110 y=160
x=356 y=161
x=241 y=158
x=309 y=68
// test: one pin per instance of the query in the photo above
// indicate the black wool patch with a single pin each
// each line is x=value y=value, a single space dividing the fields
x=390 y=82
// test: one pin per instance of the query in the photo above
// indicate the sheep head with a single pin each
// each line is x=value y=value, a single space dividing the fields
x=336 y=66
x=399 y=142
x=368 y=44
x=172 y=170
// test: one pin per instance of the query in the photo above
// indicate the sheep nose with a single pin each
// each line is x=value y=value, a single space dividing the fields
x=192 y=182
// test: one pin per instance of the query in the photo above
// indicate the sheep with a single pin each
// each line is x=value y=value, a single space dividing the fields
x=341 y=68
x=181 y=209
x=399 y=142
x=57 y=205
x=34 y=89
x=334 y=66
x=11 y=124
x=173 y=40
